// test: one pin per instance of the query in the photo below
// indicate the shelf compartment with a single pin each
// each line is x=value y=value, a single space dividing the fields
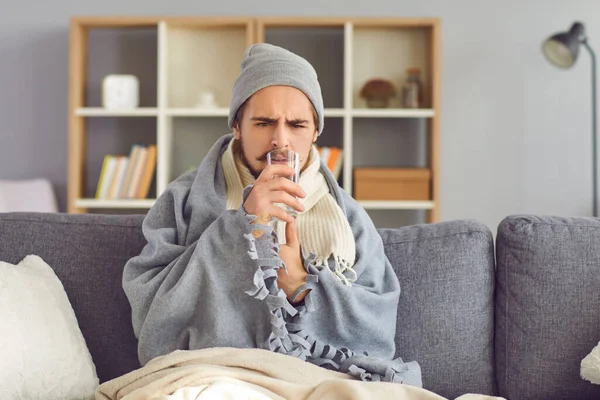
x=390 y=142
x=202 y=58
x=114 y=136
x=333 y=136
x=192 y=140
x=122 y=51
x=333 y=133
x=320 y=45
x=387 y=52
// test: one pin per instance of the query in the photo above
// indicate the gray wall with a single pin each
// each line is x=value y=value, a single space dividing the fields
x=515 y=130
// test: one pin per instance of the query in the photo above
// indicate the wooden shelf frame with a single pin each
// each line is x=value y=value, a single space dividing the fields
x=254 y=29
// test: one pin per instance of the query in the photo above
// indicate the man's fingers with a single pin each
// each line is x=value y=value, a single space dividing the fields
x=271 y=171
x=291 y=233
x=286 y=185
x=287 y=199
x=281 y=214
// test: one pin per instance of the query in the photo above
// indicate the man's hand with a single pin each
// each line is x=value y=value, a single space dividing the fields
x=271 y=187
x=290 y=255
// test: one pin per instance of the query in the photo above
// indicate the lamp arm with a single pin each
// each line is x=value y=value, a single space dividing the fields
x=594 y=127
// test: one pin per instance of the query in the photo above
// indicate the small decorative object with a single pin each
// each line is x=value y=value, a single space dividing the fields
x=120 y=92
x=378 y=92
x=206 y=99
x=412 y=90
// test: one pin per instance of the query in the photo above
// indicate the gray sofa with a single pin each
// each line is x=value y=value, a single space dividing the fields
x=514 y=319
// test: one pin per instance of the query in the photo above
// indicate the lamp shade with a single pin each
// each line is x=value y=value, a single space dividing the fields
x=562 y=49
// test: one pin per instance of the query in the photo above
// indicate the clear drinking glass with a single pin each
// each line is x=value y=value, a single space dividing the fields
x=291 y=159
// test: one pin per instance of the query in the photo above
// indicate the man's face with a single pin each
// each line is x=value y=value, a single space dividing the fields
x=276 y=117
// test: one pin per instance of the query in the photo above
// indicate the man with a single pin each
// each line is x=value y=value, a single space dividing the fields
x=219 y=272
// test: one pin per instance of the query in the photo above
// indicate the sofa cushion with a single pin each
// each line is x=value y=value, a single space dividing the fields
x=445 y=316
x=87 y=253
x=548 y=306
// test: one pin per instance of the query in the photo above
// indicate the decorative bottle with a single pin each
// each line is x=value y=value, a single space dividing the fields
x=412 y=90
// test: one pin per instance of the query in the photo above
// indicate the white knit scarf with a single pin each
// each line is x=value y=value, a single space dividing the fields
x=323 y=229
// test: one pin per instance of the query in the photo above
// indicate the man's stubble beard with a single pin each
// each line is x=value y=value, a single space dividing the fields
x=238 y=149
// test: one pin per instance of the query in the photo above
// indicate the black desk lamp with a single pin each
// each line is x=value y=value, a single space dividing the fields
x=561 y=49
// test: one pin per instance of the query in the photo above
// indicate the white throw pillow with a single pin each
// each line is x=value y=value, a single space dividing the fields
x=590 y=366
x=42 y=351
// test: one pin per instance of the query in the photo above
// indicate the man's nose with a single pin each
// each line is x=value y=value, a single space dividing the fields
x=280 y=136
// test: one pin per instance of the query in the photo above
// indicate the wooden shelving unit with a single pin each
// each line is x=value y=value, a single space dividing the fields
x=192 y=54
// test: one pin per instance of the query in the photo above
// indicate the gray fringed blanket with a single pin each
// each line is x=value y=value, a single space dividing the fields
x=204 y=281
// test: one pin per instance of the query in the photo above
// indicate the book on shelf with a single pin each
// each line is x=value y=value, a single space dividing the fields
x=127 y=177
x=333 y=158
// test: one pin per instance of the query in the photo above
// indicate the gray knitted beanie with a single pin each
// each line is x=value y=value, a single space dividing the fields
x=268 y=65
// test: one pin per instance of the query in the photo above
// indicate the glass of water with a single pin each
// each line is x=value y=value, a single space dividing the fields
x=291 y=159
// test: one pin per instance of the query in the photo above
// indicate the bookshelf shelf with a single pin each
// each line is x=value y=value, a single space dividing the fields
x=392 y=113
x=117 y=203
x=224 y=112
x=185 y=57
x=101 y=112
x=334 y=112
x=197 y=112
x=396 y=205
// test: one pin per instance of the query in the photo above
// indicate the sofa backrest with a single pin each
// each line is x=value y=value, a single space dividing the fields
x=445 y=316
x=446 y=309
x=547 y=306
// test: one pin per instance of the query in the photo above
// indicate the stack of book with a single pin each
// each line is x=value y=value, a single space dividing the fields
x=127 y=177
x=332 y=157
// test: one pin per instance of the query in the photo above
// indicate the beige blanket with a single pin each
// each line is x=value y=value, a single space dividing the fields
x=257 y=373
